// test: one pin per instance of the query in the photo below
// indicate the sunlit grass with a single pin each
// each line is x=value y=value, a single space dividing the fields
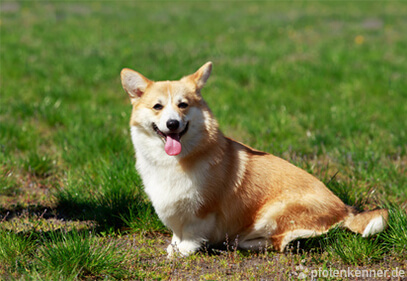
x=353 y=249
x=16 y=252
x=76 y=255
x=319 y=84
x=395 y=238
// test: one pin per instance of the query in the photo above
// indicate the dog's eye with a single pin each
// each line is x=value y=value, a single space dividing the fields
x=158 y=106
x=183 y=105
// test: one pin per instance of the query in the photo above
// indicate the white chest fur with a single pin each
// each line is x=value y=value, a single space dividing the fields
x=174 y=193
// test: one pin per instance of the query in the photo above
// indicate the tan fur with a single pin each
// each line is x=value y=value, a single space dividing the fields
x=357 y=222
x=242 y=192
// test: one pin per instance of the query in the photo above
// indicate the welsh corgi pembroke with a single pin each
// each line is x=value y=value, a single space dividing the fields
x=206 y=187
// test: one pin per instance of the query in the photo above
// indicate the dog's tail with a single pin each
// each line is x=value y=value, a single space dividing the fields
x=366 y=223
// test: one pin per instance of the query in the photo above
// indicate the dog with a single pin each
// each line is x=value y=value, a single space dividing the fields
x=206 y=187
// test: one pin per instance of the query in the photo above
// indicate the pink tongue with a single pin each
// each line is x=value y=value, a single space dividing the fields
x=172 y=145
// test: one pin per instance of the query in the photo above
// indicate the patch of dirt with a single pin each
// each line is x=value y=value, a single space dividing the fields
x=148 y=260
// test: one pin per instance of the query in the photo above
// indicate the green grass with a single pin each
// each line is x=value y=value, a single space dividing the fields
x=321 y=84
x=38 y=165
x=395 y=237
x=354 y=249
x=58 y=255
x=113 y=198
x=74 y=255
x=16 y=251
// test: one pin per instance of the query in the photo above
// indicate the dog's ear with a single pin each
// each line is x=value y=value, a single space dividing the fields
x=200 y=77
x=134 y=83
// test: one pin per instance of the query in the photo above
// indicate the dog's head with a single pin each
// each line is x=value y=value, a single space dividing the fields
x=169 y=110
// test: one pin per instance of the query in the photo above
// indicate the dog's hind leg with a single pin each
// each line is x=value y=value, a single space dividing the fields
x=280 y=241
x=254 y=244
x=366 y=223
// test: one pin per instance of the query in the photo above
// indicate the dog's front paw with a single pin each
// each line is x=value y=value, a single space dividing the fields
x=184 y=248
x=172 y=250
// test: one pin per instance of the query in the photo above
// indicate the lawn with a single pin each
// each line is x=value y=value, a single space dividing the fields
x=322 y=84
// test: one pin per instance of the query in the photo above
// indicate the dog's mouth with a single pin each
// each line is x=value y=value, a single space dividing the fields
x=172 y=140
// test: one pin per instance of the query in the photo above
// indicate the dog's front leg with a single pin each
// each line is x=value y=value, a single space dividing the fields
x=173 y=247
x=185 y=247
x=191 y=236
x=190 y=243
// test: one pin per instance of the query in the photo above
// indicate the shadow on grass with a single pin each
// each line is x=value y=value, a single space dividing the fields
x=18 y=210
x=108 y=191
x=114 y=210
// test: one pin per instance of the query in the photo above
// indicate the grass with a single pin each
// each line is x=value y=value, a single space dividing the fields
x=321 y=84
x=60 y=255
x=16 y=251
x=354 y=249
x=74 y=255
x=396 y=236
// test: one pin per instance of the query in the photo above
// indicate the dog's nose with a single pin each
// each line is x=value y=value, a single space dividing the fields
x=172 y=124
